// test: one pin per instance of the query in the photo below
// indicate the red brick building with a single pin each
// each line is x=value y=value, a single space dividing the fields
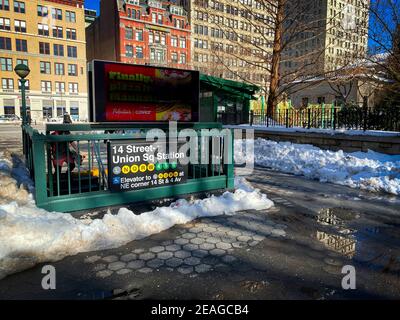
x=142 y=32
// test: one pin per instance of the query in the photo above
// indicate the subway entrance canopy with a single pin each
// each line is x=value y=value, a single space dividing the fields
x=225 y=100
x=111 y=162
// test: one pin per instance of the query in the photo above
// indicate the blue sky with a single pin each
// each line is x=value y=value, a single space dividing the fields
x=92 y=4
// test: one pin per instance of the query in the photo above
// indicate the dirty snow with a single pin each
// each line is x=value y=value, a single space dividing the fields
x=29 y=235
x=370 y=171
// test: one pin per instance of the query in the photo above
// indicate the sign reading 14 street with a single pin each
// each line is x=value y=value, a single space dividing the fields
x=135 y=165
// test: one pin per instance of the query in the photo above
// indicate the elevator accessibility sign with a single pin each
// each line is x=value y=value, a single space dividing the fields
x=136 y=165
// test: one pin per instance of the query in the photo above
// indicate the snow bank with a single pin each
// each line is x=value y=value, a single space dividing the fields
x=370 y=171
x=29 y=235
x=277 y=128
x=14 y=180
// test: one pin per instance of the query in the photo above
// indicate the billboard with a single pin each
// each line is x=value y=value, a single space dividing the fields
x=137 y=93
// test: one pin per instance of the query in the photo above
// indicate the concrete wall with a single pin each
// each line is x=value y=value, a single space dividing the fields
x=388 y=145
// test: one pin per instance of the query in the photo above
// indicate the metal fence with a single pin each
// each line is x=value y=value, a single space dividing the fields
x=352 y=118
x=86 y=186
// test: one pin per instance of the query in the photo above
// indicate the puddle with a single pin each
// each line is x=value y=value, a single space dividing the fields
x=342 y=239
x=378 y=247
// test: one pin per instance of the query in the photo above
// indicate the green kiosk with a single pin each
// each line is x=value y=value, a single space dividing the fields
x=225 y=101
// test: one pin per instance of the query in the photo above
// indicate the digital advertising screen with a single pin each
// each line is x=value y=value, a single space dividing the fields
x=137 y=93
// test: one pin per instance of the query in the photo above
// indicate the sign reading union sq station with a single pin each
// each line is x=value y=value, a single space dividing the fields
x=140 y=165
x=137 y=93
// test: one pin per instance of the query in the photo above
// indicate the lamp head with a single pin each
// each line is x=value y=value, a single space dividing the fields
x=22 y=70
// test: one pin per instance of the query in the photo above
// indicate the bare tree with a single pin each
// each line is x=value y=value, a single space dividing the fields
x=384 y=35
x=269 y=48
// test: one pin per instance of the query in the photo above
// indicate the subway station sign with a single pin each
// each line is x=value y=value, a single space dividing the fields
x=136 y=165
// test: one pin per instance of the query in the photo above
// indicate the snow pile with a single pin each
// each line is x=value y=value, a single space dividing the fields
x=14 y=180
x=370 y=171
x=29 y=235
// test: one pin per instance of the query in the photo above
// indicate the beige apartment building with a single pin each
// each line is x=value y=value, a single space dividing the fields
x=231 y=39
x=334 y=42
x=48 y=36
x=335 y=35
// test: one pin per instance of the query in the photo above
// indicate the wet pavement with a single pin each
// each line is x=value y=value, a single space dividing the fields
x=295 y=250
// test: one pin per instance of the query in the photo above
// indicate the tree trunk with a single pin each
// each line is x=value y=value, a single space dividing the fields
x=276 y=60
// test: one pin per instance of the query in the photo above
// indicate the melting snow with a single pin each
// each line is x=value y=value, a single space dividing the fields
x=370 y=170
x=29 y=235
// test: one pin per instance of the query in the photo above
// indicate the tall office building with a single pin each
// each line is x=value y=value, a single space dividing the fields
x=231 y=38
x=333 y=34
x=49 y=37
x=142 y=32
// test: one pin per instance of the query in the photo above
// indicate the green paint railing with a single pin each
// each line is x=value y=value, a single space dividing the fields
x=66 y=189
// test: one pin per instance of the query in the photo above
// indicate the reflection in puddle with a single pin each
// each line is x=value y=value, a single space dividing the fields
x=343 y=240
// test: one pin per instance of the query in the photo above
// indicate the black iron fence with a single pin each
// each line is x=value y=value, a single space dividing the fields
x=350 y=118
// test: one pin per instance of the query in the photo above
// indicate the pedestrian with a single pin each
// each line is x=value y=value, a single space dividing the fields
x=67 y=119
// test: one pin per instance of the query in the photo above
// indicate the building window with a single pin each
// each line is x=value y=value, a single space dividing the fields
x=59 y=68
x=45 y=67
x=21 y=45
x=128 y=51
x=157 y=55
x=154 y=17
x=174 y=57
x=42 y=11
x=182 y=42
x=72 y=70
x=182 y=58
x=6 y=64
x=72 y=52
x=58 y=50
x=74 y=110
x=20 y=26
x=22 y=61
x=5 y=24
x=56 y=13
x=71 y=34
x=9 y=106
x=163 y=39
x=128 y=33
x=139 y=35
x=4 y=5
x=60 y=87
x=47 y=106
x=57 y=32
x=160 y=19
x=174 y=42
x=43 y=29
x=61 y=106
x=139 y=52
x=73 y=87
x=46 y=86
x=151 y=37
x=7 y=84
x=70 y=16
x=19 y=6
x=44 y=48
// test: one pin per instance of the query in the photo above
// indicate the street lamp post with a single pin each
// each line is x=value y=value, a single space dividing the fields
x=22 y=71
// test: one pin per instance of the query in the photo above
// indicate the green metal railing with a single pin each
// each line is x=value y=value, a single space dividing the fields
x=86 y=186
